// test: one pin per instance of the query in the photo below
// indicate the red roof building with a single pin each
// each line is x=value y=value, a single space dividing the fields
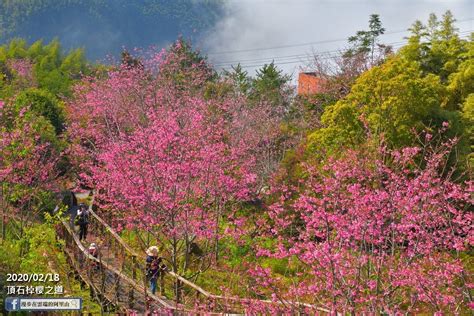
x=309 y=83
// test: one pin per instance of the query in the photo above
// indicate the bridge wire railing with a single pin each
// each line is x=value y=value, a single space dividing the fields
x=204 y=300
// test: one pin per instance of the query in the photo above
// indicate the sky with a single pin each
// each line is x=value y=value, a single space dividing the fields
x=253 y=32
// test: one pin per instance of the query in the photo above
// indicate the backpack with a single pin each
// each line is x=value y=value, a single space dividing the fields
x=154 y=267
x=82 y=219
x=155 y=264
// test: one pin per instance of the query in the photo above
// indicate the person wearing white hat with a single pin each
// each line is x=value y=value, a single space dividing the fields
x=152 y=251
x=93 y=251
x=154 y=268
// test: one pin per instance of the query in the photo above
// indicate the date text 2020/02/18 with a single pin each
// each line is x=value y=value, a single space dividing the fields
x=32 y=277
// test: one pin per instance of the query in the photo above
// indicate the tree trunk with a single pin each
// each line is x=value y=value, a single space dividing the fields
x=175 y=270
x=216 y=250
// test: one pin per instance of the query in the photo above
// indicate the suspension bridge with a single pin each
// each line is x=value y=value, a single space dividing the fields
x=116 y=277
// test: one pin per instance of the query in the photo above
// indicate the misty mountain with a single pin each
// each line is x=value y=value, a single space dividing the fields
x=106 y=26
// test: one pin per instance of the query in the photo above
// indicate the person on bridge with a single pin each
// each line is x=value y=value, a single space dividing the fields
x=83 y=221
x=94 y=252
x=155 y=269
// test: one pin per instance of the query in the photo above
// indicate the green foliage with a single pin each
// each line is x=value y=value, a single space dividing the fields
x=461 y=82
x=270 y=84
x=29 y=117
x=236 y=254
x=28 y=254
x=190 y=14
x=42 y=103
x=38 y=240
x=186 y=68
x=16 y=12
x=436 y=46
x=38 y=251
x=239 y=79
x=468 y=117
x=217 y=90
x=427 y=83
x=53 y=70
x=392 y=100
x=364 y=42
x=278 y=266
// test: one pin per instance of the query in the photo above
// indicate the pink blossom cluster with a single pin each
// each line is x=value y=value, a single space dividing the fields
x=22 y=67
x=377 y=233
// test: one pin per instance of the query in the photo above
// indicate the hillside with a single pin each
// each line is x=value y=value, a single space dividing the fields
x=157 y=183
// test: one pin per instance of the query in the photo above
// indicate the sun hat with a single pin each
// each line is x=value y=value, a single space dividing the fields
x=93 y=245
x=152 y=251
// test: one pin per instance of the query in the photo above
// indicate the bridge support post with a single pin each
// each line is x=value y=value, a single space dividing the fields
x=162 y=284
x=134 y=276
x=178 y=291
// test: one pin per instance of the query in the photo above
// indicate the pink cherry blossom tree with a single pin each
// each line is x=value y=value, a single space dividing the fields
x=28 y=166
x=375 y=233
x=173 y=175
x=162 y=157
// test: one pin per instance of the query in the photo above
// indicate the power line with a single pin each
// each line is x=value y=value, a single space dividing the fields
x=322 y=55
x=307 y=43
x=298 y=56
x=285 y=56
x=288 y=46
x=292 y=58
